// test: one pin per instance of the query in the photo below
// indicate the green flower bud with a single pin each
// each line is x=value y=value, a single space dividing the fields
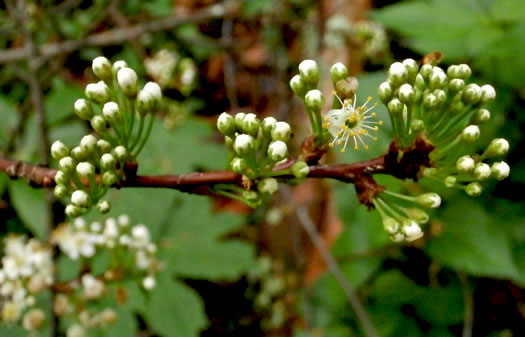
x=83 y=109
x=239 y=165
x=412 y=69
x=78 y=154
x=282 y=131
x=298 y=86
x=88 y=143
x=268 y=185
x=102 y=68
x=67 y=165
x=385 y=92
x=250 y=195
x=470 y=134
x=454 y=72
x=250 y=124
x=438 y=79
x=127 y=80
x=450 y=181
x=482 y=171
x=314 y=100
x=60 y=191
x=119 y=65
x=267 y=126
x=61 y=178
x=419 y=82
x=120 y=153
x=430 y=102
x=112 y=113
x=109 y=178
x=474 y=189
x=80 y=198
x=471 y=94
x=406 y=93
x=300 y=169
x=73 y=211
x=464 y=71
x=500 y=170
x=98 y=92
x=309 y=72
x=391 y=225
x=429 y=171
x=426 y=70
x=418 y=215
x=99 y=124
x=481 y=116
x=338 y=72
x=417 y=125
x=104 y=146
x=85 y=169
x=395 y=107
x=465 y=164
x=498 y=147
x=145 y=102
x=456 y=85
x=103 y=206
x=397 y=74
x=108 y=162
x=226 y=124
x=431 y=200
x=243 y=145
x=277 y=151
x=59 y=150
x=441 y=96
x=488 y=94
x=239 y=118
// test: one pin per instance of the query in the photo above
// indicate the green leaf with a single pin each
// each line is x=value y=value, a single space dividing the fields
x=8 y=116
x=59 y=102
x=31 y=206
x=125 y=326
x=174 y=309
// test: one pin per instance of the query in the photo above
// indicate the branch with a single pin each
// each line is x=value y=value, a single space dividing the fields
x=119 y=35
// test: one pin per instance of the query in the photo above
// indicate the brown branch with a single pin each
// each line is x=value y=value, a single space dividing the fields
x=119 y=35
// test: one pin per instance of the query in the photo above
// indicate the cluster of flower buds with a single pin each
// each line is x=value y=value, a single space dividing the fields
x=171 y=70
x=372 y=37
x=27 y=270
x=402 y=215
x=346 y=122
x=112 y=105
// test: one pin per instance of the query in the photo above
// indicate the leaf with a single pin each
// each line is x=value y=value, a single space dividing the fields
x=175 y=309
x=125 y=326
x=31 y=206
x=8 y=116
x=60 y=101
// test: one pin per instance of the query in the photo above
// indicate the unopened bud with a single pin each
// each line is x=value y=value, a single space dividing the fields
x=450 y=181
x=481 y=116
x=385 y=92
x=426 y=70
x=395 y=107
x=277 y=151
x=88 y=143
x=500 y=170
x=155 y=91
x=397 y=74
x=85 y=169
x=465 y=164
x=67 y=165
x=419 y=82
x=98 y=92
x=80 y=198
x=300 y=169
x=454 y=72
x=239 y=165
x=470 y=134
x=239 y=118
x=61 y=178
x=267 y=126
x=109 y=178
x=99 y=124
x=79 y=154
x=60 y=191
x=119 y=65
x=309 y=72
x=120 y=153
x=59 y=150
x=474 y=189
x=145 y=102
x=112 y=112
x=431 y=200
x=438 y=79
x=456 y=85
x=149 y=283
x=314 y=100
x=103 y=146
x=83 y=109
x=464 y=71
x=107 y=162
x=226 y=124
x=102 y=68
x=418 y=215
x=498 y=147
x=268 y=185
x=282 y=131
x=412 y=68
x=417 y=125
x=472 y=94
x=250 y=124
x=488 y=94
x=127 y=80
x=243 y=144
x=338 y=72
x=298 y=86
x=406 y=93
x=482 y=171
x=391 y=225
x=411 y=230
x=430 y=102
x=33 y=319
x=103 y=206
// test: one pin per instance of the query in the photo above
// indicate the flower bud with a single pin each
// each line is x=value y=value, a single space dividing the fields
x=314 y=100
x=111 y=112
x=481 y=116
x=250 y=195
x=267 y=126
x=98 y=92
x=500 y=170
x=338 y=72
x=59 y=150
x=300 y=169
x=78 y=154
x=149 y=283
x=155 y=92
x=398 y=237
x=406 y=93
x=103 y=206
x=395 y=107
x=107 y=162
x=268 y=185
x=418 y=215
x=385 y=92
x=99 y=124
x=412 y=68
x=471 y=94
x=80 y=198
x=250 y=124
x=391 y=225
x=226 y=124
x=482 y=171
x=145 y=102
x=431 y=200
x=456 y=85
x=282 y=131
x=76 y=330
x=454 y=72
x=67 y=165
x=61 y=178
x=243 y=145
x=83 y=109
x=102 y=68
x=430 y=102
x=437 y=79
x=309 y=72
x=298 y=86
x=277 y=151
x=119 y=65
x=498 y=147
x=33 y=319
x=470 y=134
x=239 y=118
x=450 y=181
x=417 y=125
x=60 y=191
x=397 y=74
x=120 y=153
x=103 y=146
x=85 y=169
x=411 y=230
x=127 y=80
x=474 y=189
x=441 y=95
x=228 y=142
x=464 y=71
x=465 y=164
x=426 y=70
x=88 y=143
x=488 y=94
x=239 y=165
x=419 y=82
x=109 y=178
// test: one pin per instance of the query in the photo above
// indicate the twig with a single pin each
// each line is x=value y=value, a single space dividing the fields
x=332 y=265
x=118 y=35
x=468 y=300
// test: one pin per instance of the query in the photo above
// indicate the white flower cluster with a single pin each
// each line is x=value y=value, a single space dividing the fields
x=168 y=69
x=27 y=269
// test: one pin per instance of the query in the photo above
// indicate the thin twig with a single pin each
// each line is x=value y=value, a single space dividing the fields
x=468 y=300
x=332 y=265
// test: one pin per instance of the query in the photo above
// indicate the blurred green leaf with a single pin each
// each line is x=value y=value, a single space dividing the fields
x=60 y=100
x=31 y=206
x=8 y=116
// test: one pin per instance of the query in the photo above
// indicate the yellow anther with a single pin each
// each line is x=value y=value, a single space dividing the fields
x=375 y=139
x=381 y=123
x=376 y=104
x=334 y=92
x=339 y=142
x=373 y=114
x=356 y=147
x=366 y=147
x=376 y=128
x=343 y=150
x=369 y=98
x=331 y=144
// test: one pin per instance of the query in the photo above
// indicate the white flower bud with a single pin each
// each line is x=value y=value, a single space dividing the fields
x=76 y=330
x=123 y=220
x=127 y=80
x=141 y=236
x=481 y=116
x=411 y=230
x=397 y=74
x=99 y=124
x=226 y=124
x=454 y=72
x=474 y=189
x=103 y=206
x=149 y=282
x=66 y=164
x=239 y=165
x=450 y=181
x=267 y=126
x=61 y=178
x=59 y=150
x=395 y=107
x=98 y=92
x=243 y=144
x=431 y=200
x=438 y=79
x=73 y=211
x=464 y=71
x=471 y=94
x=498 y=147
x=268 y=185
x=470 y=134
x=60 y=191
x=298 y=86
x=93 y=288
x=88 y=143
x=385 y=92
x=338 y=72
x=456 y=85
x=83 y=109
x=107 y=162
x=79 y=154
x=33 y=319
x=119 y=65
x=109 y=178
x=85 y=169
x=482 y=171
x=250 y=124
x=239 y=118
x=155 y=92
x=300 y=169
x=95 y=227
x=314 y=100
x=120 y=153
x=80 y=198
x=145 y=102
x=406 y=93
x=282 y=131
x=426 y=70
x=488 y=94
x=412 y=68
x=465 y=164
x=418 y=215
x=102 y=68
x=111 y=112
x=391 y=225
x=430 y=102
x=500 y=170
x=277 y=151
x=309 y=72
